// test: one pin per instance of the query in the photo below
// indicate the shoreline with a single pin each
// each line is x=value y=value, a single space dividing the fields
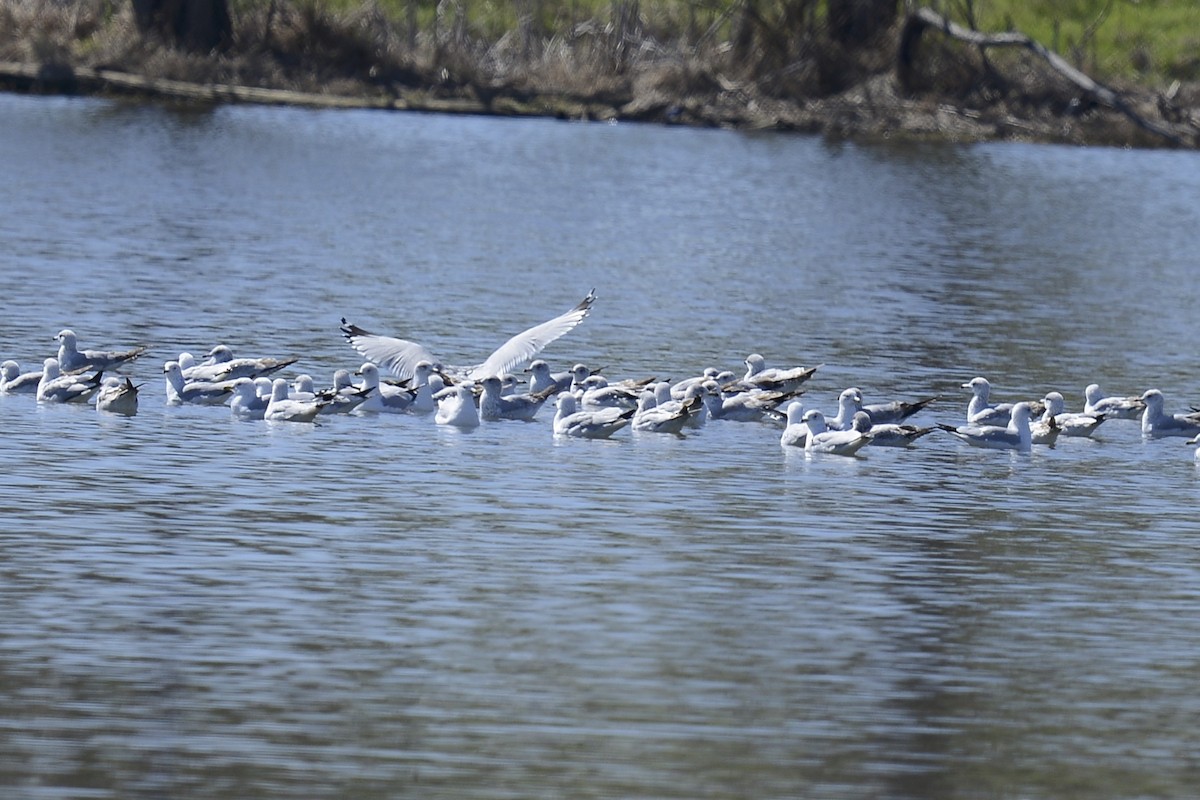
x=931 y=82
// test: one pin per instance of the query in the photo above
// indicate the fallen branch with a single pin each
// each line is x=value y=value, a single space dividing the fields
x=924 y=18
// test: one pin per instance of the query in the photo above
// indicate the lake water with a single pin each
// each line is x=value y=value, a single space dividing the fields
x=377 y=608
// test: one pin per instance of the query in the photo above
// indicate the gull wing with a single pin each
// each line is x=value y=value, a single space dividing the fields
x=397 y=356
x=527 y=344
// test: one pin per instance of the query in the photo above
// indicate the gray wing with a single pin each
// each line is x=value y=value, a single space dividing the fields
x=527 y=344
x=397 y=356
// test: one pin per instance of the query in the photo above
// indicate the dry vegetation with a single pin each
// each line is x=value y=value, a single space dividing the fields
x=753 y=63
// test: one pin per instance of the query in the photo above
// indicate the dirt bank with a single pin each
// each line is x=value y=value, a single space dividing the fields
x=922 y=79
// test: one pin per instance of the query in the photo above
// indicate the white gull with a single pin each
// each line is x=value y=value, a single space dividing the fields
x=400 y=356
x=179 y=391
x=13 y=381
x=456 y=407
x=1156 y=423
x=1017 y=435
x=1070 y=423
x=117 y=397
x=283 y=408
x=1111 y=407
x=822 y=440
x=495 y=405
x=55 y=387
x=72 y=359
x=599 y=424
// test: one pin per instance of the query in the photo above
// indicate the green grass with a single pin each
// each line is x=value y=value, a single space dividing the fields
x=1141 y=40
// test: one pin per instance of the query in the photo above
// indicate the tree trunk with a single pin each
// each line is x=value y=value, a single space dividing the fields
x=856 y=22
x=199 y=25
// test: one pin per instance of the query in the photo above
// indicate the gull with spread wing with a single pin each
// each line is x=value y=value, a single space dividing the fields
x=400 y=356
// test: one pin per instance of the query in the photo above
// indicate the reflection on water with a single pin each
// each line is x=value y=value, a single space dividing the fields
x=198 y=607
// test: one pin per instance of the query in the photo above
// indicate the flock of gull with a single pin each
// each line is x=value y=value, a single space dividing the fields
x=403 y=377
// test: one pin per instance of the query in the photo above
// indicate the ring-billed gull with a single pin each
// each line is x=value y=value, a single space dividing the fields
x=982 y=412
x=666 y=418
x=283 y=408
x=849 y=403
x=456 y=407
x=117 y=397
x=1069 y=423
x=13 y=381
x=693 y=397
x=597 y=393
x=1156 y=423
x=894 y=412
x=541 y=378
x=760 y=376
x=889 y=434
x=1111 y=407
x=344 y=397
x=206 y=393
x=796 y=432
x=400 y=356
x=822 y=440
x=414 y=397
x=222 y=366
x=56 y=387
x=72 y=359
x=495 y=405
x=1017 y=435
x=599 y=424
x=745 y=406
x=246 y=402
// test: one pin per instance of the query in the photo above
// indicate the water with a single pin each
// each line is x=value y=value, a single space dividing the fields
x=196 y=607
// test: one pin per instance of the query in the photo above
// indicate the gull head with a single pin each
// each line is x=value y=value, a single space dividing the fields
x=67 y=337
x=979 y=386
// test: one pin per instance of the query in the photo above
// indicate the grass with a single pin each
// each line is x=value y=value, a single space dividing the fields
x=1147 y=41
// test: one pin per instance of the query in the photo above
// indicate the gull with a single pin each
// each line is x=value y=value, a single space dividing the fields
x=597 y=394
x=759 y=376
x=55 y=387
x=888 y=434
x=1196 y=455
x=13 y=381
x=981 y=412
x=693 y=397
x=206 y=393
x=283 y=408
x=71 y=359
x=1015 y=436
x=1156 y=423
x=400 y=357
x=541 y=378
x=679 y=389
x=665 y=418
x=303 y=388
x=495 y=405
x=246 y=403
x=343 y=396
x=1112 y=407
x=849 y=403
x=116 y=397
x=822 y=440
x=894 y=412
x=456 y=406
x=1070 y=424
x=748 y=406
x=1044 y=430
x=796 y=432
x=599 y=424
x=382 y=398
x=221 y=365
